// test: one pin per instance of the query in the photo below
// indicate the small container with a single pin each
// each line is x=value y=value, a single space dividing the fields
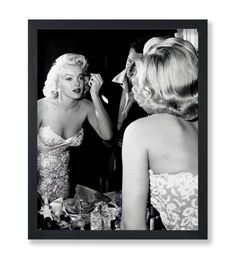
x=106 y=221
x=96 y=219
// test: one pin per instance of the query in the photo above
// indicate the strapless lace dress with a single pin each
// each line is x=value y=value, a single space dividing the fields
x=53 y=160
x=175 y=196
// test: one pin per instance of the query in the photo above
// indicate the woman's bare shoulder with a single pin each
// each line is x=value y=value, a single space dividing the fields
x=47 y=102
x=154 y=126
x=43 y=101
x=164 y=121
x=168 y=127
x=138 y=128
x=42 y=108
x=145 y=124
x=44 y=104
x=86 y=105
x=86 y=102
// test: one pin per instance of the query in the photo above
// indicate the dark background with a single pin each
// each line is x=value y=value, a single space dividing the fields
x=106 y=51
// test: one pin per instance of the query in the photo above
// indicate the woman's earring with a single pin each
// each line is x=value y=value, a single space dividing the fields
x=59 y=95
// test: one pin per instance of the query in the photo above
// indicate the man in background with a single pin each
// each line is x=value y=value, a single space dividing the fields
x=128 y=112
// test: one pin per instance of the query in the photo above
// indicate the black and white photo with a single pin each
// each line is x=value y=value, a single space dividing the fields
x=117 y=129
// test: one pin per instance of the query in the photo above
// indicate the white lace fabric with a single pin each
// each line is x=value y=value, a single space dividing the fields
x=53 y=161
x=175 y=196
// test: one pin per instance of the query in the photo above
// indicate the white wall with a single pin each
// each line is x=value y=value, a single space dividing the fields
x=13 y=129
x=188 y=34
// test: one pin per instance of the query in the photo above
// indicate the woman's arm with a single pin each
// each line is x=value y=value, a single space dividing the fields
x=40 y=109
x=97 y=115
x=135 y=183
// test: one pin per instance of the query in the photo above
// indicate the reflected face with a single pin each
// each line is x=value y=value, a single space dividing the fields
x=133 y=55
x=130 y=66
x=71 y=81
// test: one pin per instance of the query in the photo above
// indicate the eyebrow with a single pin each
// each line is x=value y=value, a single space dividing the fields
x=73 y=75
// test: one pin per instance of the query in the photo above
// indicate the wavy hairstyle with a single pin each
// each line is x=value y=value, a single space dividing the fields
x=166 y=79
x=50 y=85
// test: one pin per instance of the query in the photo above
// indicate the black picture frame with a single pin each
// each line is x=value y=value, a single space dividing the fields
x=34 y=27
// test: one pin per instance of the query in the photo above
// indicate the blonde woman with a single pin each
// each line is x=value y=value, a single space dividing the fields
x=61 y=115
x=160 y=152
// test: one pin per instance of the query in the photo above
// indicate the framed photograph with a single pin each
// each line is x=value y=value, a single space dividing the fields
x=99 y=90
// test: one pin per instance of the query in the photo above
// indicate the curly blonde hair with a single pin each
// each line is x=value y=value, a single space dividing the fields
x=166 y=79
x=50 y=85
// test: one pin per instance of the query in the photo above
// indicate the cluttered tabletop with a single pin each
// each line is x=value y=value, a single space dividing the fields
x=88 y=210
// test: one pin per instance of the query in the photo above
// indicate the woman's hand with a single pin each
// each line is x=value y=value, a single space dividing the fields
x=97 y=115
x=95 y=83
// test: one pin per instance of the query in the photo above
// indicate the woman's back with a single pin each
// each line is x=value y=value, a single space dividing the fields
x=172 y=144
x=160 y=152
x=173 y=170
x=160 y=157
